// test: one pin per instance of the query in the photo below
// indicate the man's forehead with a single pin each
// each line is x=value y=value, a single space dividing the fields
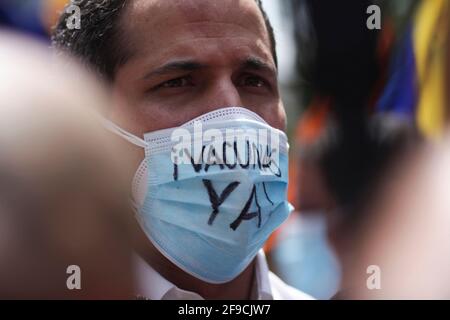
x=160 y=23
x=223 y=10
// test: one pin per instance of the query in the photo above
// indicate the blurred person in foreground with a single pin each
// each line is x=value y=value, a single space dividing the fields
x=404 y=247
x=394 y=142
x=170 y=63
x=62 y=195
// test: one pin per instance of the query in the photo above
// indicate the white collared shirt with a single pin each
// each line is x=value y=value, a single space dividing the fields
x=267 y=286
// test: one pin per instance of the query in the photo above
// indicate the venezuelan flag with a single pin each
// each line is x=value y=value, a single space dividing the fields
x=416 y=86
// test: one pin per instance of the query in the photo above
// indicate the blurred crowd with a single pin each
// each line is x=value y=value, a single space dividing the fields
x=369 y=161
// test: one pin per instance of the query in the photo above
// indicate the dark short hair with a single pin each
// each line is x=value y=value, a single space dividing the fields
x=99 y=43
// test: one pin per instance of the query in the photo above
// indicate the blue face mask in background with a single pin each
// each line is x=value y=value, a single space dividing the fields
x=303 y=257
x=211 y=220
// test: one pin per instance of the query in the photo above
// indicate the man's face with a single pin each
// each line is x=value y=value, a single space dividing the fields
x=190 y=57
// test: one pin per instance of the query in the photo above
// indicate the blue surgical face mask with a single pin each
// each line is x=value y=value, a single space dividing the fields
x=210 y=215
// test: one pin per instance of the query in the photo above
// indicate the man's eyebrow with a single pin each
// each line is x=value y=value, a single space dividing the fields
x=257 y=64
x=182 y=65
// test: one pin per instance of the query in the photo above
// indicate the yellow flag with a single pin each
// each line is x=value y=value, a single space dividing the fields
x=431 y=23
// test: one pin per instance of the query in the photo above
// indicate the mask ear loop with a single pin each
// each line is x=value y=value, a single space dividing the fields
x=114 y=128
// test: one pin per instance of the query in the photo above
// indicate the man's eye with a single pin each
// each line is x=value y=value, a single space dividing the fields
x=177 y=83
x=253 y=81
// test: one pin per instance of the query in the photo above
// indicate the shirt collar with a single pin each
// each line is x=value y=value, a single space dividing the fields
x=262 y=289
x=153 y=286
